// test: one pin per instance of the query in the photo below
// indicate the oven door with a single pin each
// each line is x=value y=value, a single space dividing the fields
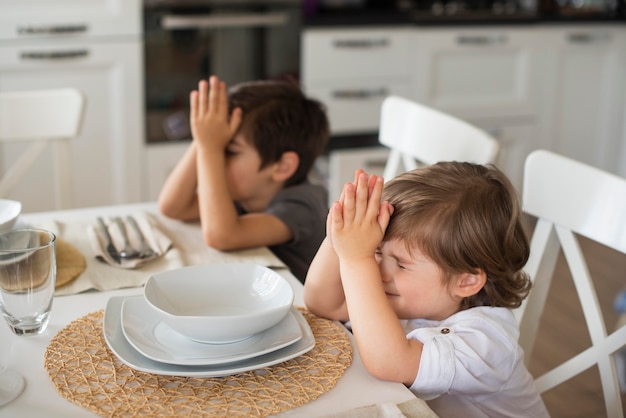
x=186 y=41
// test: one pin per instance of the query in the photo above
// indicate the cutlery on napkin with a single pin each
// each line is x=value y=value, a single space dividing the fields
x=107 y=239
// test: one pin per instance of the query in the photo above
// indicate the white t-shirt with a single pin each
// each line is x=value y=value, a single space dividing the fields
x=472 y=366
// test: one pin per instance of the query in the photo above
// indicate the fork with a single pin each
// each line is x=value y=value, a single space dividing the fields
x=128 y=252
x=145 y=251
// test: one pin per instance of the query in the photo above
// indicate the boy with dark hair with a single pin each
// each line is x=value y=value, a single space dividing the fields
x=244 y=175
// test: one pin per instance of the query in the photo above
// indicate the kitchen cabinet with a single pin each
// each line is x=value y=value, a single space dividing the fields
x=517 y=139
x=489 y=76
x=106 y=158
x=477 y=72
x=160 y=161
x=587 y=72
x=32 y=19
x=343 y=163
x=560 y=87
x=352 y=70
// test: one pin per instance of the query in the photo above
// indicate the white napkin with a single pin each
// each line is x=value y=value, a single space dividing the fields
x=415 y=408
x=154 y=236
x=102 y=276
x=188 y=248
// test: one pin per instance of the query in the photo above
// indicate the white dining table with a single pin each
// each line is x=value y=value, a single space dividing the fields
x=25 y=354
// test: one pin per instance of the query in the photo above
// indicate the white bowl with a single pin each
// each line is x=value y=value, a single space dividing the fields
x=219 y=303
x=9 y=212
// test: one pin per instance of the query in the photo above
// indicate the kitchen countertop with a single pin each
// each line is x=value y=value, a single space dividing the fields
x=375 y=17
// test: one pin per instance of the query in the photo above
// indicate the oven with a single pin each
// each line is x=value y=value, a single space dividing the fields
x=188 y=40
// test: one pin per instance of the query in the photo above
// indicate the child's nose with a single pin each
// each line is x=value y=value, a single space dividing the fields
x=385 y=275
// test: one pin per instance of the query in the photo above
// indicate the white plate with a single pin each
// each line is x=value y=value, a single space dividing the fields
x=114 y=337
x=156 y=340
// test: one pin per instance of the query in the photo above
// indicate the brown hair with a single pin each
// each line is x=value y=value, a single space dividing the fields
x=278 y=117
x=464 y=217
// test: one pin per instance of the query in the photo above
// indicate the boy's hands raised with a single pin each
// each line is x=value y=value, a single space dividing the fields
x=211 y=125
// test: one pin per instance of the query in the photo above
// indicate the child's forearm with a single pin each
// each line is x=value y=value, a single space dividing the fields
x=386 y=352
x=323 y=291
x=218 y=216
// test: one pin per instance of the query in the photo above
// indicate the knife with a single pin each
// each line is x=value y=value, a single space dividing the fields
x=109 y=242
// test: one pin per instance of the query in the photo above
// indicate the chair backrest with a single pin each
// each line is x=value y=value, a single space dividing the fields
x=41 y=116
x=416 y=132
x=570 y=198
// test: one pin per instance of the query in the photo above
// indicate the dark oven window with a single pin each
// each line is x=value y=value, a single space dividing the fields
x=186 y=41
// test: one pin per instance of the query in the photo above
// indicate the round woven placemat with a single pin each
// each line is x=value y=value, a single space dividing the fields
x=70 y=262
x=87 y=373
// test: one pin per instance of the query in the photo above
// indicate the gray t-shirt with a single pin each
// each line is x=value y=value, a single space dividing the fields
x=303 y=209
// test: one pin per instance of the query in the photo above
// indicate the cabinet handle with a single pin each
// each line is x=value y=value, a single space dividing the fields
x=51 y=29
x=223 y=21
x=360 y=93
x=361 y=43
x=54 y=55
x=588 y=38
x=481 y=40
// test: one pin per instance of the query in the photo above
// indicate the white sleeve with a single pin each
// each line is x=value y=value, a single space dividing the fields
x=474 y=352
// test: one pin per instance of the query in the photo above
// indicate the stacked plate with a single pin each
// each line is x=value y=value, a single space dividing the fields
x=137 y=334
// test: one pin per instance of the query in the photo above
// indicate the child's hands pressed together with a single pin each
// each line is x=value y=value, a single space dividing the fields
x=210 y=121
x=357 y=223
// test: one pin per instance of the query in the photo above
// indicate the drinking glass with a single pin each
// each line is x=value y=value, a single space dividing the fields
x=27 y=279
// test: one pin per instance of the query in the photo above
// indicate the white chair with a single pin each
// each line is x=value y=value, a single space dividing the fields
x=416 y=132
x=41 y=116
x=570 y=198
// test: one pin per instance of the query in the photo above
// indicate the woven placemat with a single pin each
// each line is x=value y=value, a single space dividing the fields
x=70 y=262
x=87 y=373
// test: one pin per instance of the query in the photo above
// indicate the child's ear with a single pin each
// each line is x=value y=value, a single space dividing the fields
x=286 y=166
x=468 y=284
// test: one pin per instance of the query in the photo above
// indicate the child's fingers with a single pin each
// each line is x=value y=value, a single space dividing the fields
x=357 y=174
x=384 y=214
x=349 y=201
x=373 y=201
x=193 y=104
x=336 y=216
x=222 y=99
x=214 y=94
x=235 y=119
x=203 y=88
x=371 y=183
x=361 y=196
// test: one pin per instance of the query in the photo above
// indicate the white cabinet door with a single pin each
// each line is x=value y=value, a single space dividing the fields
x=32 y=19
x=354 y=106
x=343 y=163
x=106 y=158
x=352 y=70
x=516 y=142
x=588 y=77
x=161 y=160
x=476 y=72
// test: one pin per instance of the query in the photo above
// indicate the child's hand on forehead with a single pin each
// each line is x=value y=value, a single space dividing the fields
x=210 y=122
x=358 y=221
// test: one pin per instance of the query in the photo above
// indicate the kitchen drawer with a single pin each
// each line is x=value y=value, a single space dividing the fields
x=355 y=107
x=35 y=19
x=355 y=54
